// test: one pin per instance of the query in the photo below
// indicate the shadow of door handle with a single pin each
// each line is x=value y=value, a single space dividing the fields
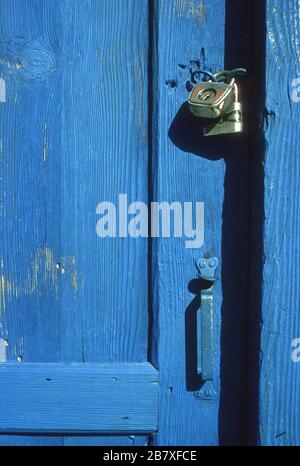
x=205 y=334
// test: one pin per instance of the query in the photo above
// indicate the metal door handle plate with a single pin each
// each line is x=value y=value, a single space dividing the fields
x=205 y=337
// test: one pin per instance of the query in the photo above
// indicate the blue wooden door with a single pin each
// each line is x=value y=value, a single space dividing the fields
x=98 y=335
x=74 y=308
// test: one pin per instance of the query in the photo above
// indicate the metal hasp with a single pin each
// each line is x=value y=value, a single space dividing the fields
x=205 y=337
x=216 y=102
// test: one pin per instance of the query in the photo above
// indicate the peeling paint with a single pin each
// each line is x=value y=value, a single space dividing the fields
x=70 y=267
x=2 y=90
x=6 y=291
x=3 y=346
x=43 y=272
x=191 y=9
x=45 y=143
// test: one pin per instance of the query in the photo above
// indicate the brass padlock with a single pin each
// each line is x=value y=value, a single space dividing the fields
x=212 y=99
x=218 y=101
x=231 y=123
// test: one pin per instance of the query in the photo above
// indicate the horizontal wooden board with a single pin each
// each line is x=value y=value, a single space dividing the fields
x=78 y=398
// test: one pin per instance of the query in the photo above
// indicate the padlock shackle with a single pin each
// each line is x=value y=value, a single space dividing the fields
x=220 y=75
x=207 y=73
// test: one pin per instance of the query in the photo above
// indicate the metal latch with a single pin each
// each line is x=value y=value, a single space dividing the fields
x=205 y=337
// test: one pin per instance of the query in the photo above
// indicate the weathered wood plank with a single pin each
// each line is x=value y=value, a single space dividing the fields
x=181 y=33
x=30 y=441
x=105 y=90
x=86 y=441
x=73 y=133
x=187 y=35
x=78 y=398
x=76 y=441
x=279 y=401
x=186 y=168
x=121 y=441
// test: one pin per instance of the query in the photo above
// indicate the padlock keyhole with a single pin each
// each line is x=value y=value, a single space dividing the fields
x=206 y=94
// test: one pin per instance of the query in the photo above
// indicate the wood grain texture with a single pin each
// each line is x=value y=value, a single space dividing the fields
x=183 y=420
x=121 y=441
x=30 y=441
x=76 y=441
x=78 y=398
x=279 y=376
x=189 y=35
x=73 y=133
x=180 y=36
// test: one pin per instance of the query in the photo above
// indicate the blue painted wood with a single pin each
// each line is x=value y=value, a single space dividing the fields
x=279 y=376
x=187 y=35
x=29 y=441
x=125 y=441
x=181 y=175
x=71 y=68
x=78 y=398
x=86 y=441
x=73 y=133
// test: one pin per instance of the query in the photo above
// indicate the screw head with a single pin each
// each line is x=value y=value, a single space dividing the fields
x=202 y=264
x=212 y=263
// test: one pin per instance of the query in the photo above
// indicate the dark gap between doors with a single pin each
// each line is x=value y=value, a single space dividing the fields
x=242 y=232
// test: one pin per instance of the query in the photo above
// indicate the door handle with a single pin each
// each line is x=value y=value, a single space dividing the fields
x=205 y=327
